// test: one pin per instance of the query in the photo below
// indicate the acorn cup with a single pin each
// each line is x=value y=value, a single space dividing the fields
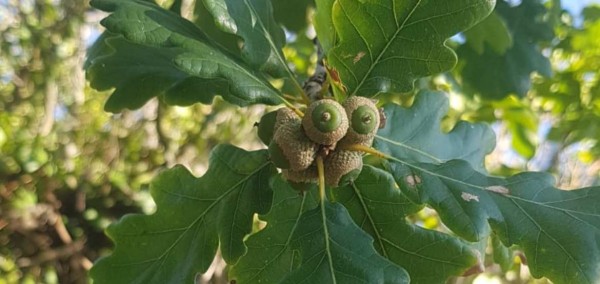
x=290 y=148
x=325 y=122
x=308 y=175
x=342 y=167
x=270 y=121
x=364 y=120
x=284 y=116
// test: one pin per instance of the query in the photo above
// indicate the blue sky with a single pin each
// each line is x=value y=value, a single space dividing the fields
x=575 y=6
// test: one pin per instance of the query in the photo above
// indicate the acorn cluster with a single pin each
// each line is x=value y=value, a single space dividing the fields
x=326 y=129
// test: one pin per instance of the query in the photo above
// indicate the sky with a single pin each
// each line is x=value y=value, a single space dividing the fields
x=575 y=6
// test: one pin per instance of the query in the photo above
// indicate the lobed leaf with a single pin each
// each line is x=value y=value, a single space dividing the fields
x=292 y=14
x=194 y=216
x=166 y=54
x=414 y=134
x=270 y=255
x=334 y=250
x=385 y=45
x=490 y=33
x=380 y=209
x=323 y=22
x=495 y=75
x=253 y=21
x=558 y=230
x=204 y=20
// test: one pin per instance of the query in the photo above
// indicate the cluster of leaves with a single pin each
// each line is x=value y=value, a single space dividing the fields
x=539 y=40
x=573 y=93
x=68 y=170
x=359 y=233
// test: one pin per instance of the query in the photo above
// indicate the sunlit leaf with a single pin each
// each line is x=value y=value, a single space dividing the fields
x=385 y=45
x=414 y=134
x=559 y=231
x=380 y=209
x=324 y=24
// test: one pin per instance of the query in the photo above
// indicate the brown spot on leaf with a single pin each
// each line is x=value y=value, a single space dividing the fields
x=498 y=189
x=358 y=57
x=468 y=197
x=413 y=180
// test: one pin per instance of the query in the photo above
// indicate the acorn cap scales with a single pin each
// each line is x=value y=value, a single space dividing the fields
x=325 y=122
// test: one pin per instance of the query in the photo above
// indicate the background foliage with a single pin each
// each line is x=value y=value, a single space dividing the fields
x=68 y=169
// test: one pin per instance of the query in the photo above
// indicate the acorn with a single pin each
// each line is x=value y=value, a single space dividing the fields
x=266 y=127
x=284 y=116
x=308 y=175
x=325 y=122
x=290 y=148
x=342 y=167
x=364 y=120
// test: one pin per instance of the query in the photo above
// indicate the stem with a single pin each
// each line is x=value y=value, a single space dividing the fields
x=366 y=149
x=292 y=107
x=321 y=171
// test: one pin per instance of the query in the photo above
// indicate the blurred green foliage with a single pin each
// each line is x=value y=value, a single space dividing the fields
x=68 y=168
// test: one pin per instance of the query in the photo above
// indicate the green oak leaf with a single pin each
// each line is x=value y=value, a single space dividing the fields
x=384 y=45
x=194 y=215
x=253 y=21
x=185 y=60
x=380 y=209
x=121 y=64
x=559 y=231
x=176 y=6
x=502 y=255
x=270 y=256
x=210 y=27
x=334 y=250
x=323 y=22
x=496 y=76
x=414 y=134
x=491 y=32
x=293 y=14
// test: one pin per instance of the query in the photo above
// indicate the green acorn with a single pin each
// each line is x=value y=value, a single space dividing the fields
x=291 y=149
x=342 y=167
x=364 y=121
x=325 y=122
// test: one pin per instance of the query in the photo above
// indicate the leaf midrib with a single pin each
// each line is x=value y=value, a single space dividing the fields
x=370 y=218
x=289 y=239
x=327 y=245
x=565 y=251
x=512 y=198
x=388 y=44
x=279 y=56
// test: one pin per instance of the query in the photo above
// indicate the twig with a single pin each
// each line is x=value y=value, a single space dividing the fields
x=313 y=87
